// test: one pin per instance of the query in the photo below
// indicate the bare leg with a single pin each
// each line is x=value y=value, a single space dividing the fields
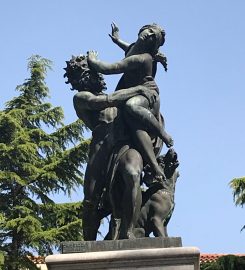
x=131 y=167
x=144 y=143
x=116 y=198
x=91 y=221
x=94 y=181
x=138 y=108
x=94 y=178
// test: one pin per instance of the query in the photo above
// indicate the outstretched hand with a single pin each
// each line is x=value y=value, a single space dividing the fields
x=114 y=32
x=92 y=55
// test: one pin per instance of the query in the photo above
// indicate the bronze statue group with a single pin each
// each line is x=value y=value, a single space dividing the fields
x=126 y=177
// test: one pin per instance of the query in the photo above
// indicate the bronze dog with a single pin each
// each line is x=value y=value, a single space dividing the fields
x=158 y=199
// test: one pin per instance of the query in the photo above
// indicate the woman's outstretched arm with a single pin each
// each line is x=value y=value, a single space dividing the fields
x=130 y=63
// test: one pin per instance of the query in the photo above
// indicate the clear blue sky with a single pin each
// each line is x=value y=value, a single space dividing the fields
x=202 y=94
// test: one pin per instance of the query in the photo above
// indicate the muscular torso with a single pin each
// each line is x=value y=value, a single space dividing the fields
x=90 y=112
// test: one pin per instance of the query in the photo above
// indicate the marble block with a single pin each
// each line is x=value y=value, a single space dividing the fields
x=175 y=258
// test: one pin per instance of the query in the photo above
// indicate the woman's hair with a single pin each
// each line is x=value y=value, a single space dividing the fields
x=163 y=60
x=81 y=77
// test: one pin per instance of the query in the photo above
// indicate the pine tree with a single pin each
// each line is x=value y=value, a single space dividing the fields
x=39 y=156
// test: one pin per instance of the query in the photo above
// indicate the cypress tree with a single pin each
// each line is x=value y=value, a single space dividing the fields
x=39 y=156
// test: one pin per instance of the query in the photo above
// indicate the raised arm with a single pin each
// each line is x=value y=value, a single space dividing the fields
x=130 y=63
x=116 y=39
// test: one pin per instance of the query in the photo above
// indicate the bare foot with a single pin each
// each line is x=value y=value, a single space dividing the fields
x=170 y=143
x=167 y=139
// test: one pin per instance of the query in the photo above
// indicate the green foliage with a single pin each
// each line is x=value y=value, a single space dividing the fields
x=61 y=222
x=1 y=260
x=228 y=262
x=35 y=164
x=238 y=189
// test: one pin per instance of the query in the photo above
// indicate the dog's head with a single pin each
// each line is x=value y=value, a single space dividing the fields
x=168 y=162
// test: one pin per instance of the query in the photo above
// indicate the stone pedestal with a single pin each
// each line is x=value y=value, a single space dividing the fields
x=144 y=259
x=143 y=254
x=108 y=245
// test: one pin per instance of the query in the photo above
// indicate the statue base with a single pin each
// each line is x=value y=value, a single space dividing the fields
x=125 y=244
x=147 y=254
